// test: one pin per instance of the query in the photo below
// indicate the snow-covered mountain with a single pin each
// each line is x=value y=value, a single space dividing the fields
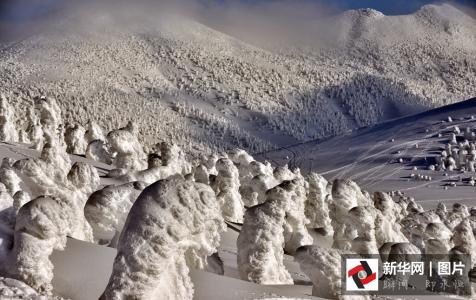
x=120 y=188
x=205 y=90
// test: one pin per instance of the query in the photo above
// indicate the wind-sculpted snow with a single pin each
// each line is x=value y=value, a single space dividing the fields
x=346 y=194
x=400 y=252
x=172 y=162
x=97 y=151
x=15 y=289
x=94 y=132
x=106 y=210
x=43 y=224
x=261 y=240
x=54 y=174
x=464 y=240
x=8 y=131
x=34 y=130
x=9 y=178
x=59 y=190
x=165 y=213
x=317 y=204
x=75 y=139
x=126 y=149
x=254 y=186
x=361 y=220
x=173 y=226
x=226 y=186
x=50 y=119
x=19 y=199
x=387 y=220
x=295 y=227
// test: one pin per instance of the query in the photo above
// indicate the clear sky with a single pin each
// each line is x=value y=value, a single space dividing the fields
x=17 y=10
x=389 y=7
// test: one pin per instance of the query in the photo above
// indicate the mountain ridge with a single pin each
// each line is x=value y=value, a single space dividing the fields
x=210 y=91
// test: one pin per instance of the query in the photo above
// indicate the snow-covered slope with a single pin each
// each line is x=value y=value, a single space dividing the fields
x=405 y=154
x=173 y=221
x=183 y=81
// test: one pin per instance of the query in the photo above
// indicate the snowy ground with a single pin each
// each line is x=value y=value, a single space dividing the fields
x=370 y=156
x=93 y=265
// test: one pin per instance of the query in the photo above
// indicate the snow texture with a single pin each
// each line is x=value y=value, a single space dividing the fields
x=226 y=187
x=173 y=161
x=8 y=131
x=261 y=240
x=106 y=210
x=317 y=204
x=346 y=195
x=15 y=289
x=295 y=227
x=174 y=225
x=126 y=149
x=208 y=91
x=75 y=139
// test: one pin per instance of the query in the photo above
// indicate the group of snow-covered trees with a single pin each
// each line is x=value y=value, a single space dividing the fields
x=165 y=213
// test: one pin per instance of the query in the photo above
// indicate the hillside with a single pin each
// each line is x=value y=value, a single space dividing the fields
x=185 y=82
x=427 y=156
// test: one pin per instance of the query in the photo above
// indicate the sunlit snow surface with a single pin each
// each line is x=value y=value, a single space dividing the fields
x=202 y=91
x=83 y=269
x=206 y=90
x=370 y=156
